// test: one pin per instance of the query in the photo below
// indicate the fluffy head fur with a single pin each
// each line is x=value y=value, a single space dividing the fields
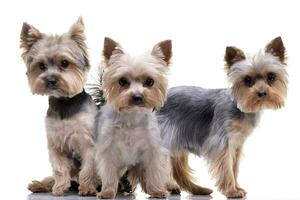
x=56 y=64
x=259 y=81
x=136 y=82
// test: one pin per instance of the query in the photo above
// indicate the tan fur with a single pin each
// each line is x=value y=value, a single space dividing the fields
x=65 y=137
x=155 y=95
x=70 y=82
x=136 y=176
x=182 y=175
x=252 y=97
x=29 y=36
x=138 y=147
x=270 y=60
x=134 y=70
x=172 y=185
x=250 y=102
x=225 y=165
x=70 y=140
x=51 y=50
x=107 y=194
x=43 y=186
x=76 y=33
x=129 y=136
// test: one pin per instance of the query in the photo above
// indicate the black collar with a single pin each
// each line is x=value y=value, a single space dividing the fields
x=65 y=107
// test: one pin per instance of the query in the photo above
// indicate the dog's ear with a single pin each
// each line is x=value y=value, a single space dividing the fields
x=233 y=55
x=111 y=47
x=29 y=36
x=77 y=32
x=276 y=48
x=163 y=50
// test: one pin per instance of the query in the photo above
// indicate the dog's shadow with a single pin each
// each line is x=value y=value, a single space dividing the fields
x=74 y=196
x=71 y=196
x=197 y=197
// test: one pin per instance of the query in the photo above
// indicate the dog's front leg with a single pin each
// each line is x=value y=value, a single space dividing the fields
x=109 y=174
x=87 y=174
x=157 y=171
x=224 y=168
x=61 y=166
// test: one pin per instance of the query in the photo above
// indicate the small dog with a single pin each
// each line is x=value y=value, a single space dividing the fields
x=215 y=123
x=57 y=66
x=128 y=136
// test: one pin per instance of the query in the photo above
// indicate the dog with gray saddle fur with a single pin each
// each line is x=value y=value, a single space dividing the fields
x=214 y=123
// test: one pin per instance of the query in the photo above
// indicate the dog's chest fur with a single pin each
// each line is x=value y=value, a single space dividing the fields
x=130 y=134
x=132 y=138
x=70 y=122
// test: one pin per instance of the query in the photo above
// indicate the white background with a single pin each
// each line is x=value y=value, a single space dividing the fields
x=200 y=31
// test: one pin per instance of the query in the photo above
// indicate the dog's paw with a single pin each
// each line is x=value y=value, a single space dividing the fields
x=237 y=193
x=158 y=194
x=174 y=189
x=245 y=192
x=60 y=189
x=108 y=194
x=87 y=190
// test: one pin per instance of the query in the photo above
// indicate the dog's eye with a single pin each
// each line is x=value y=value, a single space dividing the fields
x=271 y=77
x=149 y=82
x=123 y=82
x=42 y=66
x=64 y=63
x=248 y=81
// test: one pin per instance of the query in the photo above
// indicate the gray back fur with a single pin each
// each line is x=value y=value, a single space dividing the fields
x=197 y=119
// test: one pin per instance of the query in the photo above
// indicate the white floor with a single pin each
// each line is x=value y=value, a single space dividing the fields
x=73 y=196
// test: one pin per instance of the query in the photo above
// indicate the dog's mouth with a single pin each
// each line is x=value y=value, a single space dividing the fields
x=132 y=107
x=57 y=92
x=52 y=88
x=256 y=105
x=138 y=106
x=135 y=107
x=55 y=88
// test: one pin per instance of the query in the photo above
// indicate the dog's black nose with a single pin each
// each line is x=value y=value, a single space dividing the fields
x=51 y=82
x=261 y=94
x=137 y=99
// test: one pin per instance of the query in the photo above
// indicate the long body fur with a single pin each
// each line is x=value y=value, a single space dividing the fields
x=198 y=120
x=215 y=123
x=128 y=136
x=71 y=140
x=70 y=126
x=57 y=66
x=130 y=140
x=205 y=122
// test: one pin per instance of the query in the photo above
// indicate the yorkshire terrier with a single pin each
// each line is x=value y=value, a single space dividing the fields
x=128 y=136
x=57 y=66
x=214 y=123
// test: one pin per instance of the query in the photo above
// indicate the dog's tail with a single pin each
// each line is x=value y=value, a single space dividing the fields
x=183 y=176
x=94 y=88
